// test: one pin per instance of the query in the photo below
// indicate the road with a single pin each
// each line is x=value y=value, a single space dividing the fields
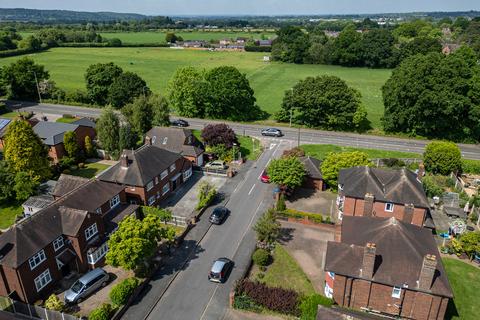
x=294 y=136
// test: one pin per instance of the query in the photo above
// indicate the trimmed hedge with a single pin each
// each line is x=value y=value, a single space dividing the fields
x=316 y=218
x=121 y=292
x=101 y=313
x=309 y=306
x=275 y=299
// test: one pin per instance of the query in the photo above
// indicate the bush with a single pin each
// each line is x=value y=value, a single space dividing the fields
x=281 y=206
x=432 y=188
x=68 y=116
x=53 y=303
x=474 y=217
x=442 y=157
x=275 y=299
x=101 y=313
x=393 y=163
x=309 y=306
x=470 y=166
x=244 y=302
x=122 y=291
x=261 y=257
x=206 y=195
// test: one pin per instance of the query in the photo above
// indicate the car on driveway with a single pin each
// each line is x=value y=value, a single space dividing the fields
x=86 y=285
x=180 y=123
x=219 y=215
x=217 y=164
x=264 y=177
x=220 y=270
x=272 y=132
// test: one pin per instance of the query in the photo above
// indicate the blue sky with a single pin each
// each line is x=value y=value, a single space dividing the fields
x=254 y=7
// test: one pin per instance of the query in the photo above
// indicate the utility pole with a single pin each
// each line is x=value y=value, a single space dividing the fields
x=298 y=142
x=291 y=112
x=38 y=88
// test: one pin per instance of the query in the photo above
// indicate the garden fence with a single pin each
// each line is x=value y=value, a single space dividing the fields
x=382 y=162
x=13 y=307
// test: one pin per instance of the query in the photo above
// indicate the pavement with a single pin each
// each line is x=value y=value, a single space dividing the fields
x=181 y=290
x=294 y=136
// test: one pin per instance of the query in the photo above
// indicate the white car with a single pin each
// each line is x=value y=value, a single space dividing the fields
x=217 y=164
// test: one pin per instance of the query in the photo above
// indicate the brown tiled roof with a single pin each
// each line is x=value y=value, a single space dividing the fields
x=145 y=163
x=176 y=140
x=400 y=250
x=312 y=166
x=397 y=186
x=67 y=183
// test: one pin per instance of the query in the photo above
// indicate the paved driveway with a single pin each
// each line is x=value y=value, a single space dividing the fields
x=308 y=245
x=314 y=201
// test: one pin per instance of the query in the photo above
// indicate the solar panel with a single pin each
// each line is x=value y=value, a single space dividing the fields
x=4 y=123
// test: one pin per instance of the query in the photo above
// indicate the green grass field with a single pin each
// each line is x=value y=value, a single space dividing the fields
x=90 y=170
x=156 y=65
x=320 y=151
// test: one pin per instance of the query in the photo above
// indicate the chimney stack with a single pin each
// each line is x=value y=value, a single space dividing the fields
x=124 y=161
x=420 y=171
x=368 y=205
x=428 y=272
x=369 y=254
x=148 y=141
x=408 y=213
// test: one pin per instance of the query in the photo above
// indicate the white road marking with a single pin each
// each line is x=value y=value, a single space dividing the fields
x=252 y=188
x=272 y=145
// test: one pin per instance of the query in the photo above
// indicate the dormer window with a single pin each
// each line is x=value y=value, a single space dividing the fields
x=115 y=201
x=389 y=207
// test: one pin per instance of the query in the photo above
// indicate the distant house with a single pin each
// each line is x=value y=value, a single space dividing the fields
x=193 y=44
x=263 y=43
x=241 y=40
x=450 y=48
x=383 y=193
x=314 y=178
x=177 y=140
x=52 y=134
x=149 y=174
x=225 y=42
x=388 y=267
x=69 y=235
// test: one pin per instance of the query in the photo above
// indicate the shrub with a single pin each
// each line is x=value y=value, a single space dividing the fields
x=244 y=302
x=309 y=306
x=68 y=116
x=81 y=165
x=261 y=257
x=442 y=157
x=393 y=163
x=432 y=188
x=122 y=291
x=206 y=194
x=261 y=275
x=101 y=313
x=470 y=166
x=53 y=303
x=281 y=206
x=275 y=299
x=474 y=217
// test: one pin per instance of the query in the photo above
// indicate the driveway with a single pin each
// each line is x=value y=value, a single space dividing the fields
x=314 y=201
x=308 y=245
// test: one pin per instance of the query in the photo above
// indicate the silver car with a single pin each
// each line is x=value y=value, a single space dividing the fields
x=220 y=270
x=86 y=285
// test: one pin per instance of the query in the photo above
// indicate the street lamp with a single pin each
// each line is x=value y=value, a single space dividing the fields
x=291 y=109
x=233 y=151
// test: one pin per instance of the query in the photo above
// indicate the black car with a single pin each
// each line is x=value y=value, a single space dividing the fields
x=272 y=132
x=180 y=123
x=220 y=270
x=218 y=215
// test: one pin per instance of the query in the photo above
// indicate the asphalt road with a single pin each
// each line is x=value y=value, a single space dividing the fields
x=294 y=136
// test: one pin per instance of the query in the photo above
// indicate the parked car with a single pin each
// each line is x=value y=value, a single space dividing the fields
x=180 y=123
x=264 y=177
x=220 y=270
x=272 y=132
x=219 y=215
x=217 y=164
x=86 y=285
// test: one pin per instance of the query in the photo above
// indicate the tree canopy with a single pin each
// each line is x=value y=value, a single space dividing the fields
x=17 y=80
x=334 y=162
x=147 y=111
x=99 y=77
x=288 y=172
x=216 y=134
x=291 y=45
x=442 y=157
x=108 y=126
x=71 y=145
x=125 y=88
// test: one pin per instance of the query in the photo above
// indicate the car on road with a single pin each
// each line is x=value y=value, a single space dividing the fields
x=219 y=215
x=272 y=132
x=179 y=123
x=86 y=285
x=220 y=270
x=264 y=177
x=217 y=164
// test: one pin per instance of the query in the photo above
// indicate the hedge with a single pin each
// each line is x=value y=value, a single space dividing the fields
x=19 y=52
x=309 y=306
x=101 y=313
x=471 y=166
x=258 y=49
x=317 y=218
x=123 y=290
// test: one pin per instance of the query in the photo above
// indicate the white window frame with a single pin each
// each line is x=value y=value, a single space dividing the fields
x=43 y=280
x=156 y=180
x=115 y=201
x=99 y=210
x=165 y=140
x=37 y=259
x=165 y=189
x=187 y=174
x=388 y=204
x=91 y=231
x=151 y=200
x=58 y=243
x=173 y=167
x=98 y=254
x=396 y=292
x=150 y=185
x=164 y=174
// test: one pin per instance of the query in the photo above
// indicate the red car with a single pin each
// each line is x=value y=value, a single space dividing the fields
x=264 y=177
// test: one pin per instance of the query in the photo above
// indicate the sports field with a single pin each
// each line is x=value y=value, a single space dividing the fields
x=156 y=65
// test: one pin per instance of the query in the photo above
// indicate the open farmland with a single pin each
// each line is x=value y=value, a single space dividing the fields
x=156 y=65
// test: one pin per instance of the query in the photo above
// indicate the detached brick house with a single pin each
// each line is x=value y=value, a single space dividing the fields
x=52 y=134
x=67 y=236
x=177 y=140
x=373 y=192
x=149 y=174
x=388 y=267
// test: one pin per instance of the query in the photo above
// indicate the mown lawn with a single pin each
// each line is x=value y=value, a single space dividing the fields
x=159 y=37
x=66 y=120
x=465 y=282
x=90 y=170
x=320 y=151
x=8 y=214
x=284 y=272
x=156 y=65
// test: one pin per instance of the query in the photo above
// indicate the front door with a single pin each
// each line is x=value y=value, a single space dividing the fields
x=174 y=184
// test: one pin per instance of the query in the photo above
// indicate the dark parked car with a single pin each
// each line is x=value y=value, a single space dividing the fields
x=272 y=132
x=220 y=270
x=219 y=215
x=180 y=123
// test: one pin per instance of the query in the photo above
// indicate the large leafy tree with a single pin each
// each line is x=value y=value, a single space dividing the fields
x=134 y=242
x=435 y=96
x=442 y=157
x=219 y=134
x=267 y=228
x=160 y=110
x=6 y=185
x=334 y=162
x=325 y=101
x=18 y=81
x=99 y=77
x=71 y=145
x=287 y=172
x=291 y=45
x=24 y=186
x=108 y=126
x=378 y=48
x=419 y=45
x=139 y=115
x=25 y=152
x=127 y=137
x=347 y=48
x=125 y=88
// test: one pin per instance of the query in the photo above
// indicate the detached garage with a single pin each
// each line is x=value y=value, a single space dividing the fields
x=314 y=179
